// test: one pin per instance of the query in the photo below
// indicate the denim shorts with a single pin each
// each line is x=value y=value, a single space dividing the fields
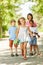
x=33 y=40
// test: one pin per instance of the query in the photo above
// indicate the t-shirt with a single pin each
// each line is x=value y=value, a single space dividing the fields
x=28 y=24
x=34 y=29
x=12 y=30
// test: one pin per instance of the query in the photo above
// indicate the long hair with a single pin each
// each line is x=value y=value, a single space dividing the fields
x=30 y=15
x=19 y=20
x=31 y=21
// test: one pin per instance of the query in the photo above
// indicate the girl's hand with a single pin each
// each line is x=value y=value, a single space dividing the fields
x=38 y=36
x=31 y=34
x=17 y=32
x=34 y=34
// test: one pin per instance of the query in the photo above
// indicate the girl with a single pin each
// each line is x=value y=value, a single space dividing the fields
x=30 y=17
x=12 y=36
x=33 y=40
x=22 y=35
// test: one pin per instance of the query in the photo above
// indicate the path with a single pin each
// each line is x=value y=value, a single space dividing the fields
x=6 y=59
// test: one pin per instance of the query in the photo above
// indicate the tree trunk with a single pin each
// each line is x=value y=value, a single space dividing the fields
x=0 y=30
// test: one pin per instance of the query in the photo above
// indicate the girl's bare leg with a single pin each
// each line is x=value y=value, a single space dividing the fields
x=25 y=50
x=34 y=48
x=37 y=50
x=22 y=49
x=30 y=48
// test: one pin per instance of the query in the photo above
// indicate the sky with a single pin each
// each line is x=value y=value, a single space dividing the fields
x=26 y=8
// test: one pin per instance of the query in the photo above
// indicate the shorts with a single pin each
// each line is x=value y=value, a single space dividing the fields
x=33 y=41
x=11 y=44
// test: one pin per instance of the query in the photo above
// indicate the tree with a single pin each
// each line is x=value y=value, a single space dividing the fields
x=39 y=7
x=7 y=12
x=38 y=12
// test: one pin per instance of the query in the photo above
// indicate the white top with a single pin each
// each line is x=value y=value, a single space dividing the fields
x=34 y=29
x=22 y=33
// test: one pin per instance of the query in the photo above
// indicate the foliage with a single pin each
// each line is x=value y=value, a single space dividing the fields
x=38 y=13
x=7 y=12
x=39 y=7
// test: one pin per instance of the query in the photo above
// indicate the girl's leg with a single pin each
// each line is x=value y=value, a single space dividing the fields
x=22 y=50
x=37 y=50
x=15 y=45
x=31 y=53
x=11 y=44
x=30 y=48
x=25 y=50
x=31 y=45
x=34 y=48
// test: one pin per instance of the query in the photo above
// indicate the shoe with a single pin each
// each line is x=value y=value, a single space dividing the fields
x=12 y=55
x=31 y=54
x=38 y=53
x=17 y=55
x=25 y=58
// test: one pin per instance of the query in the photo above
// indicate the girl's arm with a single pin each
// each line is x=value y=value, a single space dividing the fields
x=17 y=31
x=37 y=34
x=28 y=25
x=30 y=32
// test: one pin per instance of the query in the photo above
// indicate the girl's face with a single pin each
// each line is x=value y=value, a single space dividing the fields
x=29 y=17
x=22 y=21
x=13 y=23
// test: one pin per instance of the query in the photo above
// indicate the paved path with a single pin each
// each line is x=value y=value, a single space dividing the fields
x=6 y=59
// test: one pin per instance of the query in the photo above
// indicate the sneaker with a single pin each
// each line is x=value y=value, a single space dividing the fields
x=31 y=54
x=12 y=55
x=16 y=54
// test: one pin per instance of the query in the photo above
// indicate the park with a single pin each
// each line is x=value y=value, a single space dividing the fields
x=14 y=9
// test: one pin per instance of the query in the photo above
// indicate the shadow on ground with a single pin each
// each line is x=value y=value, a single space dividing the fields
x=6 y=59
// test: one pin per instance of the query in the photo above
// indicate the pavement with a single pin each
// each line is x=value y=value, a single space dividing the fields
x=6 y=59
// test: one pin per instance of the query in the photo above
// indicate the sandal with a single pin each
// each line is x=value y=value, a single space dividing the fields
x=25 y=58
